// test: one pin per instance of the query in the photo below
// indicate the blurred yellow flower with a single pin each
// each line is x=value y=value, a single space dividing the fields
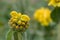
x=43 y=16
x=18 y=21
x=54 y=3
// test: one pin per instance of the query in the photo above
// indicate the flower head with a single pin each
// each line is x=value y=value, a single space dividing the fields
x=18 y=21
x=43 y=16
x=54 y=3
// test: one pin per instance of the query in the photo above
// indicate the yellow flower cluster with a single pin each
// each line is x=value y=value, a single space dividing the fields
x=43 y=16
x=54 y=3
x=18 y=21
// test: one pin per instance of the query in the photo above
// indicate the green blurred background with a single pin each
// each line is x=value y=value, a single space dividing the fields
x=26 y=7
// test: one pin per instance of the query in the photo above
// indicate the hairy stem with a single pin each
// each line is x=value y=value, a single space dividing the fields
x=15 y=36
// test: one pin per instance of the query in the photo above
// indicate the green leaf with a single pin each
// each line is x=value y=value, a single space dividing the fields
x=9 y=35
x=56 y=14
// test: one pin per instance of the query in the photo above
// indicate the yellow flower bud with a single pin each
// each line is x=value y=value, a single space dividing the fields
x=25 y=18
x=13 y=25
x=17 y=27
x=19 y=22
x=21 y=27
x=23 y=23
x=13 y=13
x=19 y=14
x=14 y=20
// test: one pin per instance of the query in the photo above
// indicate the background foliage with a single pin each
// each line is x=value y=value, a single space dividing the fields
x=28 y=7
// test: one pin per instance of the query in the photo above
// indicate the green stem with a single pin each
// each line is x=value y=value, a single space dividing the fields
x=47 y=33
x=58 y=31
x=15 y=36
x=20 y=36
x=47 y=36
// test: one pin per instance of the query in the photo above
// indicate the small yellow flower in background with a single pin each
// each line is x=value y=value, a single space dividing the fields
x=43 y=16
x=18 y=21
x=54 y=3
